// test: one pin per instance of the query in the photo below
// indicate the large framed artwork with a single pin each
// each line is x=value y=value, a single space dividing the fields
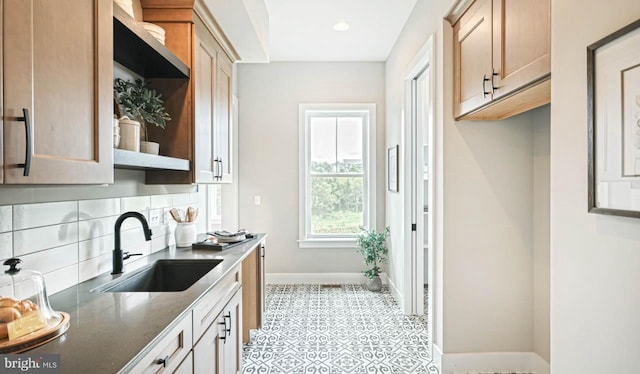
x=613 y=90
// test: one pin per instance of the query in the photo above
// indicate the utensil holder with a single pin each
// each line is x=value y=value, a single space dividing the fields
x=185 y=233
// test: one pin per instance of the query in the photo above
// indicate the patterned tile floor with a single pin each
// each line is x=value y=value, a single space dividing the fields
x=347 y=329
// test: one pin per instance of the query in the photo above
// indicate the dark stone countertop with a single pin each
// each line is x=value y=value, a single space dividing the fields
x=108 y=330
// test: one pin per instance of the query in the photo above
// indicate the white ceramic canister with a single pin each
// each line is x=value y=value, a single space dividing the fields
x=129 y=134
x=186 y=233
x=116 y=132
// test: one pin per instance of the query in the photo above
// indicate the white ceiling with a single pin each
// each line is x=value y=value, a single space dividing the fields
x=302 y=30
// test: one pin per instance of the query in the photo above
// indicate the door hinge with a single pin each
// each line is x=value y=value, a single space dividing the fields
x=414 y=227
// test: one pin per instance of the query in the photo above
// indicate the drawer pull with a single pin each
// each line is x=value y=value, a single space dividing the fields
x=484 y=86
x=493 y=81
x=225 y=322
x=224 y=329
x=163 y=361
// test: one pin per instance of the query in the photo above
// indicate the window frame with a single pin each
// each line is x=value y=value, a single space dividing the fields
x=306 y=111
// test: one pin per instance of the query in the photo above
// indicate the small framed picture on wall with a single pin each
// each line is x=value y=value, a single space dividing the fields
x=392 y=169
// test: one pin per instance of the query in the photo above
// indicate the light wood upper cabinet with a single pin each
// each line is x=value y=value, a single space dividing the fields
x=205 y=75
x=521 y=43
x=58 y=69
x=223 y=126
x=201 y=126
x=212 y=108
x=502 y=57
x=473 y=57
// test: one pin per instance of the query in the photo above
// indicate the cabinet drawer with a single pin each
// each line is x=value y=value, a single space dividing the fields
x=168 y=353
x=205 y=312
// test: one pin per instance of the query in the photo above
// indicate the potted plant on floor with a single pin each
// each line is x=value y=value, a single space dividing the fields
x=143 y=104
x=373 y=247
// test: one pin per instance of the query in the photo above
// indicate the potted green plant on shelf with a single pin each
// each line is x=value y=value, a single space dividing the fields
x=143 y=104
x=373 y=246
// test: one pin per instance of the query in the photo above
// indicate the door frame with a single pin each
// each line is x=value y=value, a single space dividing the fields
x=414 y=254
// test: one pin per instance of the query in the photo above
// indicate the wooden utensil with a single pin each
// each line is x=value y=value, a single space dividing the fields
x=175 y=215
x=192 y=214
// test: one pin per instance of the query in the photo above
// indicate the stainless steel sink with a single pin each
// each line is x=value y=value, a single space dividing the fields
x=162 y=276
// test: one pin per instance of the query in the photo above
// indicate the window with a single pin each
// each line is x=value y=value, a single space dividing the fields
x=214 y=206
x=337 y=173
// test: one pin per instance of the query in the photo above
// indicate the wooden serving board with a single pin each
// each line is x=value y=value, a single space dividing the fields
x=36 y=338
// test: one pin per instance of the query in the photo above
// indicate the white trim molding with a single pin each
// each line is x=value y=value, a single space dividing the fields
x=318 y=278
x=397 y=295
x=347 y=243
x=493 y=362
x=437 y=356
x=305 y=111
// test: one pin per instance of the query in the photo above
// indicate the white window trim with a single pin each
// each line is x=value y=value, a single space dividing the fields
x=304 y=176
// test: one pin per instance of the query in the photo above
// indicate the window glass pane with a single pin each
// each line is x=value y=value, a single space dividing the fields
x=349 y=145
x=336 y=205
x=323 y=144
x=214 y=205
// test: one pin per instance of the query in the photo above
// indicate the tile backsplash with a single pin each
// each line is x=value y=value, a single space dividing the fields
x=71 y=241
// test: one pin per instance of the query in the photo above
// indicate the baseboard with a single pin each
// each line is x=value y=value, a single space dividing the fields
x=394 y=291
x=494 y=362
x=437 y=355
x=317 y=278
x=540 y=366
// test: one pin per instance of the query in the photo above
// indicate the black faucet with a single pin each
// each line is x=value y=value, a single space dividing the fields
x=118 y=255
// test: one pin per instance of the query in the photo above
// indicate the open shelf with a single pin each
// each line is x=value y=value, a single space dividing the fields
x=123 y=159
x=137 y=50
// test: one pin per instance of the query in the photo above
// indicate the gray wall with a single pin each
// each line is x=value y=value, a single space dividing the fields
x=595 y=298
x=269 y=95
x=541 y=226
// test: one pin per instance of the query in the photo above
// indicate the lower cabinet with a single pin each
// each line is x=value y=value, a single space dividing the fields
x=186 y=367
x=208 y=339
x=219 y=351
x=233 y=347
x=168 y=354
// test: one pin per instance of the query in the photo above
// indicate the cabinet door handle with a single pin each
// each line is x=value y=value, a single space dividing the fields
x=217 y=168
x=225 y=322
x=493 y=81
x=224 y=338
x=221 y=168
x=484 y=87
x=27 y=148
x=163 y=361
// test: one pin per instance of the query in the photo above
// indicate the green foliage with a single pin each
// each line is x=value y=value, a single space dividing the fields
x=141 y=102
x=338 y=222
x=373 y=247
x=336 y=202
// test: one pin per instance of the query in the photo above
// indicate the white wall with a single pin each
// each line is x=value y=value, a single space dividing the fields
x=426 y=19
x=269 y=95
x=488 y=233
x=484 y=208
x=66 y=232
x=595 y=297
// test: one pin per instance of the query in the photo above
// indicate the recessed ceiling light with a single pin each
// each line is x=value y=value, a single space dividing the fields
x=341 y=26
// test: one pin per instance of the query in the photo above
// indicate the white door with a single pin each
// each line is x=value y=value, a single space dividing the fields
x=419 y=262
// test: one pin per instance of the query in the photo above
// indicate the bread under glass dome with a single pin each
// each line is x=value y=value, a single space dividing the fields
x=25 y=312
